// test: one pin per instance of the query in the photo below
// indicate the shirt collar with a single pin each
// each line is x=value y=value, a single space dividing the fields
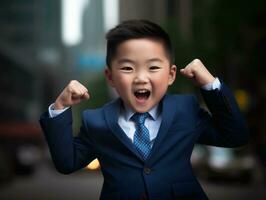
x=128 y=112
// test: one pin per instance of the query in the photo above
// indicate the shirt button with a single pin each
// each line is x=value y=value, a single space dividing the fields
x=147 y=170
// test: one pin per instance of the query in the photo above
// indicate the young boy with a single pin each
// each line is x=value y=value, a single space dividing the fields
x=144 y=139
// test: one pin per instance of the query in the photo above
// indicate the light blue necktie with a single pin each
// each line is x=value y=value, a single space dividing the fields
x=141 y=137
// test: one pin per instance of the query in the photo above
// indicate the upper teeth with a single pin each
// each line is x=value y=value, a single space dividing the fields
x=142 y=91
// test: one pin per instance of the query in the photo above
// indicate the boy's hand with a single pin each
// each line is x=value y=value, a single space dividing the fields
x=198 y=73
x=74 y=93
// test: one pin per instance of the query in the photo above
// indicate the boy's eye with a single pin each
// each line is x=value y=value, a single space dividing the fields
x=126 y=68
x=154 y=68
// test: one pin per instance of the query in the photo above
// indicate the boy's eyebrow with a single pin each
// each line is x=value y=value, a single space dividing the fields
x=123 y=60
x=154 y=60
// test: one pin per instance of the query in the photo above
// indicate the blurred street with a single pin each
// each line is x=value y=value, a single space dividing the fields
x=47 y=184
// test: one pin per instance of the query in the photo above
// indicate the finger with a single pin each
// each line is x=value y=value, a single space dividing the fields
x=77 y=93
x=187 y=73
x=84 y=89
x=197 y=62
x=81 y=89
x=86 y=95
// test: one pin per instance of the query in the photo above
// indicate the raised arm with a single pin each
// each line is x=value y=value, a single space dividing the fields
x=224 y=126
x=68 y=153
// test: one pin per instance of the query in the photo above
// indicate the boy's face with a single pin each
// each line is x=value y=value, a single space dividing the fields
x=141 y=73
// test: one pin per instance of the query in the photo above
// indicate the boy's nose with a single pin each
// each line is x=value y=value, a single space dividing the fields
x=141 y=78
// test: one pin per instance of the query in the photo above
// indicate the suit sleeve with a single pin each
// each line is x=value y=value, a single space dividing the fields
x=68 y=153
x=224 y=126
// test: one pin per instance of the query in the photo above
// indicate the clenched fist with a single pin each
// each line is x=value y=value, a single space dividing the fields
x=198 y=73
x=74 y=93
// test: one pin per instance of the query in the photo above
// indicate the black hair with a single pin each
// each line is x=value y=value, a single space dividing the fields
x=134 y=29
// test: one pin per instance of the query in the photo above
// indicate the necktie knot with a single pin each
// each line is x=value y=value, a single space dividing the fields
x=139 y=118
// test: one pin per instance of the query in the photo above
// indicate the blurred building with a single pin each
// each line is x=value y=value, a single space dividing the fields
x=156 y=11
x=29 y=40
x=29 y=55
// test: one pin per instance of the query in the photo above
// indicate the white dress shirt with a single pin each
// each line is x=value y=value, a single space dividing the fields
x=152 y=123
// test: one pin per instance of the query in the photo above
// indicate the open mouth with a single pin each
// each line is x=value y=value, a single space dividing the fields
x=142 y=94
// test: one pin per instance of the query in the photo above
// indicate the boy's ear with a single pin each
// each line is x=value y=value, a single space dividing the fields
x=109 y=76
x=172 y=74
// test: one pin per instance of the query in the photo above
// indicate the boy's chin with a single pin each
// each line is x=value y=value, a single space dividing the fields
x=140 y=109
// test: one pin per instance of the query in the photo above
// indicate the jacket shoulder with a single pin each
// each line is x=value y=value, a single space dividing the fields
x=98 y=111
x=186 y=98
x=95 y=112
x=183 y=103
x=96 y=117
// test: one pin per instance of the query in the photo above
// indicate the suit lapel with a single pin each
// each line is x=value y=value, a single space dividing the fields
x=111 y=113
x=168 y=112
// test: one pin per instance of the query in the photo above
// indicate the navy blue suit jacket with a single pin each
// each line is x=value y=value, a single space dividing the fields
x=167 y=173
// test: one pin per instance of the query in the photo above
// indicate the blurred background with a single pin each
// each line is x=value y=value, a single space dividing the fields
x=45 y=43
